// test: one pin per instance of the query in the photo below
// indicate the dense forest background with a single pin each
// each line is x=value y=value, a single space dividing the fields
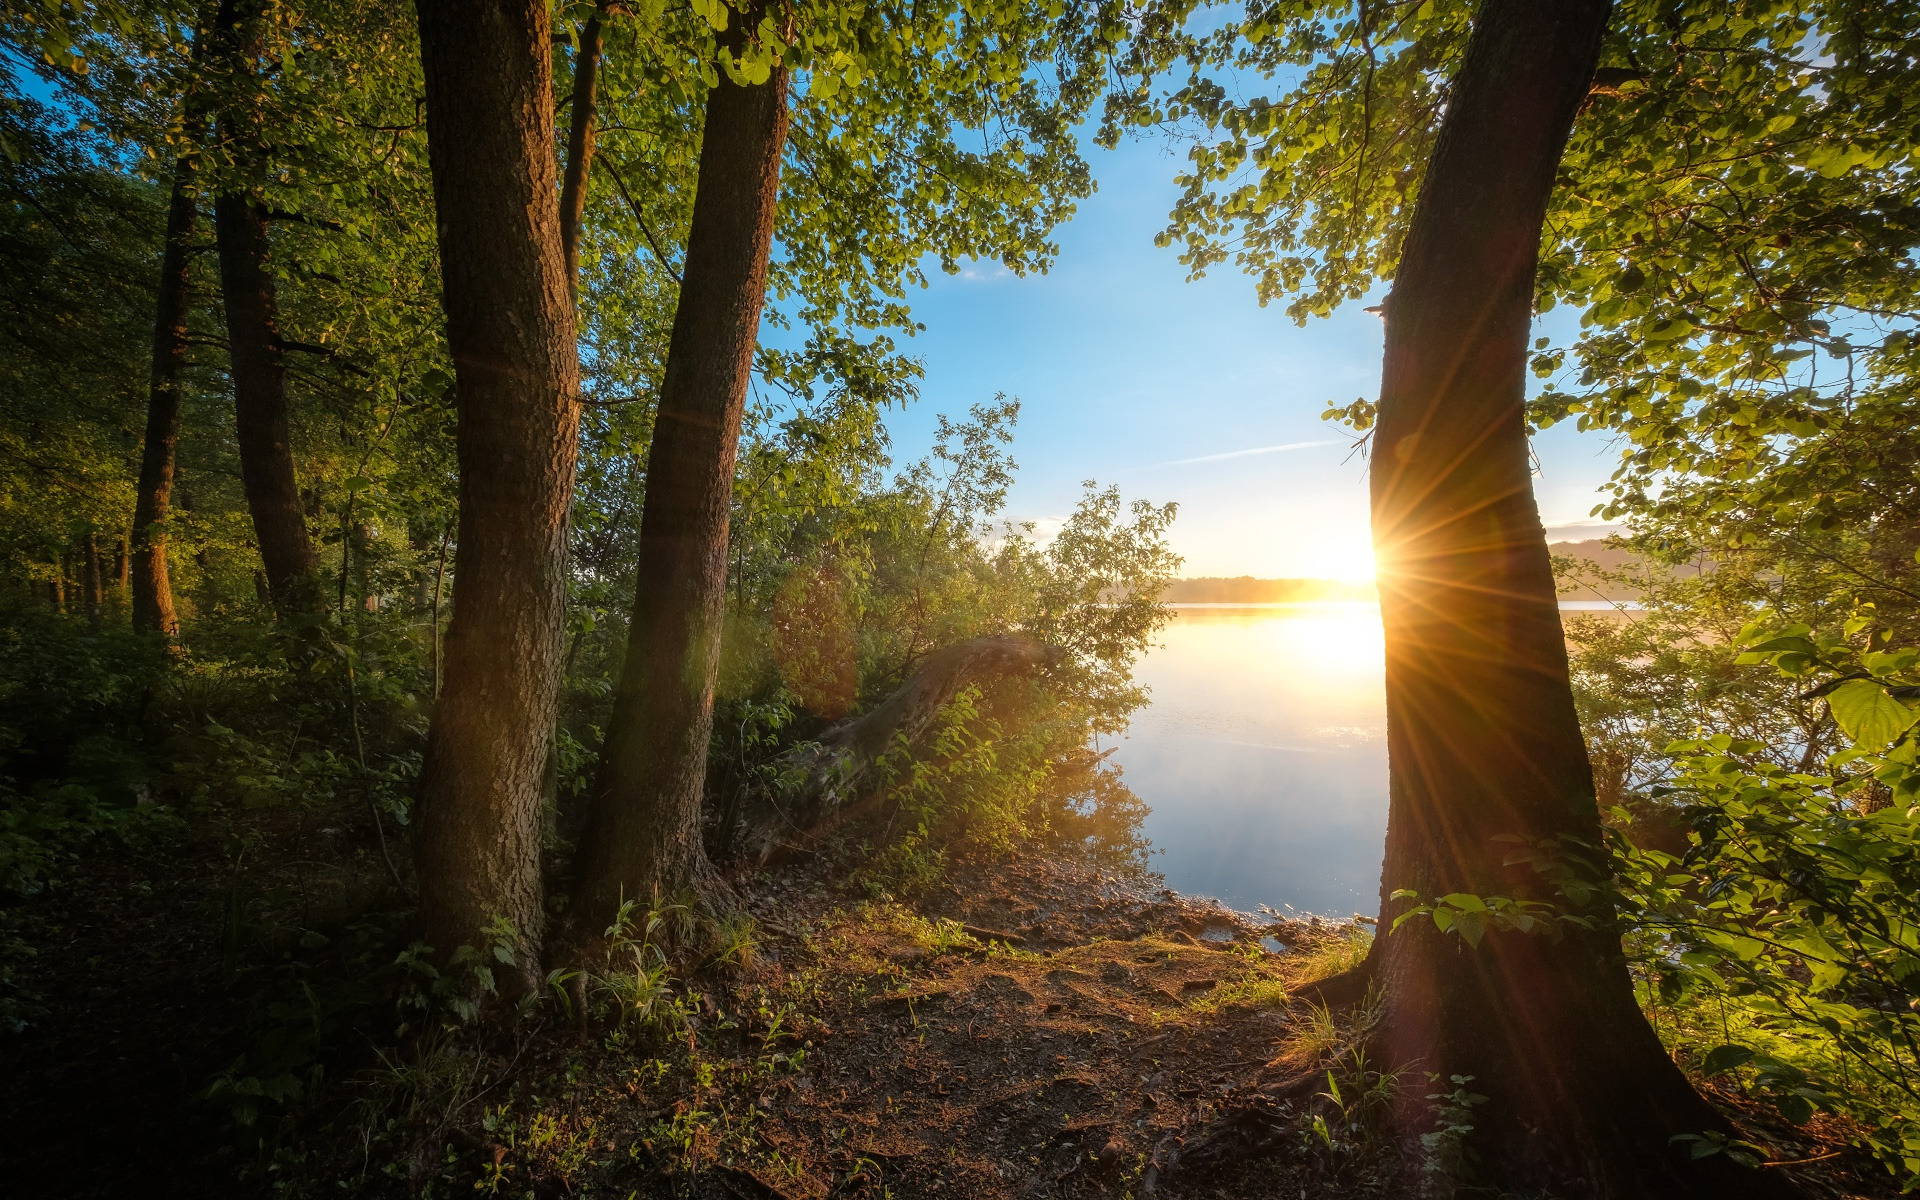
x=452 y=558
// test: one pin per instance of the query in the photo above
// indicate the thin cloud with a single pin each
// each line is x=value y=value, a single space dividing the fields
x=1207 y=458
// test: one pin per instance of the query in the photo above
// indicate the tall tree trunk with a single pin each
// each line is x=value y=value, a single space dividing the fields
x=643 y=831
x=510 y=328
x=253 y=336
x=153 y=501
x=260 y=401
x=580 y=131
x=92 y=578
x=573 y=201
x=1483 y=741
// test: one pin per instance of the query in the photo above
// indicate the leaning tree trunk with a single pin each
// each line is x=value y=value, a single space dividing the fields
x=510 y=328
x=260 y=400
x=818 y=784
x=1483 y=741
x=573 y=185
x=253 y=334
x=573 y=202
x=643 y=831
x=153 y=500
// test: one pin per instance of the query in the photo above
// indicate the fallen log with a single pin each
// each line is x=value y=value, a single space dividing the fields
x=816 y=782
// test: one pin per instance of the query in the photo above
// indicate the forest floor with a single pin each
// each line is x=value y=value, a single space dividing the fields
x=1037 y=1026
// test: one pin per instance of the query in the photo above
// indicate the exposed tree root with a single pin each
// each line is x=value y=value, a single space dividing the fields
x=1343 y=989
x=1255 y=1121
x=1272 y=1114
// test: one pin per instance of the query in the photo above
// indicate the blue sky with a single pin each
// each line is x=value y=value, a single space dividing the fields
x=1125 y=369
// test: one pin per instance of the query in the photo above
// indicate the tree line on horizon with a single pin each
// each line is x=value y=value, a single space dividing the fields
x=1245 y=589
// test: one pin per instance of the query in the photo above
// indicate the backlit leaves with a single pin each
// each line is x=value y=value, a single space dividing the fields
x=1867 y=714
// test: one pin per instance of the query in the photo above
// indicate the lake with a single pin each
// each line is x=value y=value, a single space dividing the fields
x=1263 y=755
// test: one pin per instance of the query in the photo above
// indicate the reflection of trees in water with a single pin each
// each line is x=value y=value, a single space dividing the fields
x=1097 y=813
x=1005 y=769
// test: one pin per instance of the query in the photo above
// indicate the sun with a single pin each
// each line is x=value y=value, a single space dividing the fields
x=1350 y=561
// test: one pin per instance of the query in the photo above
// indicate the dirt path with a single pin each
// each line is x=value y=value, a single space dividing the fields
x=1039 y=1029
x=1035 y=1029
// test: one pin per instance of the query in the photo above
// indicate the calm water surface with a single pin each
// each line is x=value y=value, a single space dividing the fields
x=1264 y=755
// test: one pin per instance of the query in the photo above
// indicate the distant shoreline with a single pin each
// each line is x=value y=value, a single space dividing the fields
x=1245 y=589
x=1566 y=604
x=1581 y=565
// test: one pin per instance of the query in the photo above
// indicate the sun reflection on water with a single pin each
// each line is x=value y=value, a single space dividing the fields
x=1263 y=754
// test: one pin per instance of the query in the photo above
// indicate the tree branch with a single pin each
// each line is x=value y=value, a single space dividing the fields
x=639 y=220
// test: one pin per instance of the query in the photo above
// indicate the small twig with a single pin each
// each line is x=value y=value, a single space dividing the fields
x=439 y=575
x=281 y=214
x=607 y=160
x=331 y=355
x=1801 y=1162
x=988 y=935
x=380 y=831
x=360 y=756
x=1830 y=686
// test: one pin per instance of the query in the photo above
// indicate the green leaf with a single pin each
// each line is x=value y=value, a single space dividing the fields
x=1745 y=949
x=1722 y=1059
x=1472 y=927
x=1868 y=715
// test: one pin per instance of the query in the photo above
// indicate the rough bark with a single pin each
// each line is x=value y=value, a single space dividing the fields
x=253 y=337
x=580 y=131
x=1483 y=741
x=510 y=329
x=573 y=200
x=818 y=782
x=153 y=501
x=643 y=830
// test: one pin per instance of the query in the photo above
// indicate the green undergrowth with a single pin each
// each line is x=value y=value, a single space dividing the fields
x=1770 y=880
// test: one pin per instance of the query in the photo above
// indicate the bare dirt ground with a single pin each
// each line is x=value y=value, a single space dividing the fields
x=1035 y=1028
